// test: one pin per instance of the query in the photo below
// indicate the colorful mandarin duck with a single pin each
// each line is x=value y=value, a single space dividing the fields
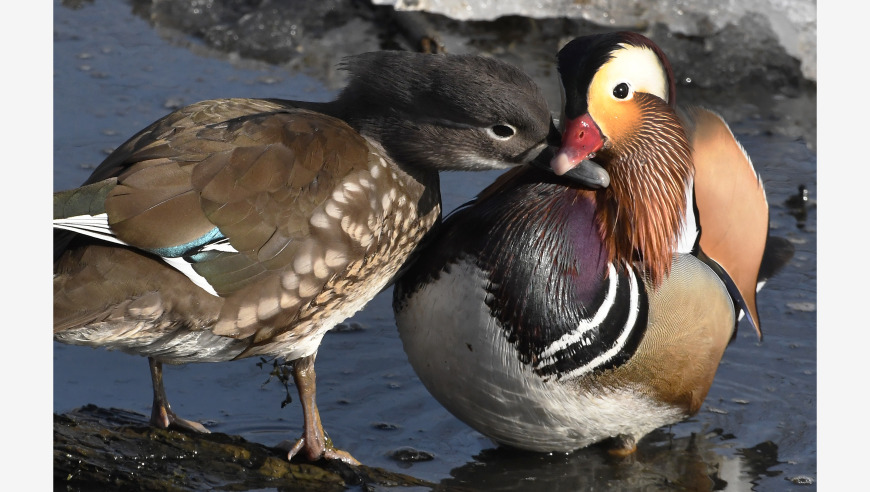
x=550 y=316
x=250 y=227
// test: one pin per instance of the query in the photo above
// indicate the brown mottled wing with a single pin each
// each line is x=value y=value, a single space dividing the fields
x=154 y=205
x=265 y=176
x=295 y=226
x=731 y=202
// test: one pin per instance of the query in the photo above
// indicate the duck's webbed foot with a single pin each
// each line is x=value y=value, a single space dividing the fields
x=162 y=415
x=314 y=443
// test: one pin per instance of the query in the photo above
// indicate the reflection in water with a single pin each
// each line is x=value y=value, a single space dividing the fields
x=798 y=204
x=662 y=462
x=759 y=460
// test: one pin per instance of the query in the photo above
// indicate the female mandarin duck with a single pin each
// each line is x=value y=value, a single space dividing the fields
x=246 y=227
x=551 y=316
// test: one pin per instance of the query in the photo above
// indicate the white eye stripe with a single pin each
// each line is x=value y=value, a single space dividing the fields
x=501 y=131
x=639 y=67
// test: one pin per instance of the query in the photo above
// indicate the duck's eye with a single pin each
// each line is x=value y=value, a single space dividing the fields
x=502 y=132
x=621 y=91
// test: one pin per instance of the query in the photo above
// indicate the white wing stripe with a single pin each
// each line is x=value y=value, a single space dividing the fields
x=89 y=225
x=187 y=269
x=97 y=226
x=689 y=226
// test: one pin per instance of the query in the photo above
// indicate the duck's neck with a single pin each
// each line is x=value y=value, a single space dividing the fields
x=643 y=211
x=374 y=122
x=362 y=115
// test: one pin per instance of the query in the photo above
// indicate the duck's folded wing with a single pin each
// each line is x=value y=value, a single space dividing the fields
x=252 y=204
x=731 y=202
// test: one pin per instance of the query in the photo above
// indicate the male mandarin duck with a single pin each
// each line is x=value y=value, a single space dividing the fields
x=550 y=316
x=234 y=228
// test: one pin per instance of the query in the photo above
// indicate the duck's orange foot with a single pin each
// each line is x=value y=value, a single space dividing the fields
x=622 y=446
x=315 y=452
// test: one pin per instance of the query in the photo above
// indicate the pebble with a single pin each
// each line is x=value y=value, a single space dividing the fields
x=802 y=480
x=411 y=455
x=806 y=307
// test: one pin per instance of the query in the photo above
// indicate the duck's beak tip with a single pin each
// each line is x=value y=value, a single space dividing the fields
x=561 y=163
x=589 y=173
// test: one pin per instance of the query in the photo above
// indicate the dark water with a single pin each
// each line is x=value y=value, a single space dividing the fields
x=114 y=73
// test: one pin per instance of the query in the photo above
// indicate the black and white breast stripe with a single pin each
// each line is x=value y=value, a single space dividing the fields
x=607 y=338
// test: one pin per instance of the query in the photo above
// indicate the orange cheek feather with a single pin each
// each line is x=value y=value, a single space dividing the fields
x=617 y=119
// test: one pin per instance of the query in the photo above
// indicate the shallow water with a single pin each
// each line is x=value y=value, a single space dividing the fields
x=114 y=73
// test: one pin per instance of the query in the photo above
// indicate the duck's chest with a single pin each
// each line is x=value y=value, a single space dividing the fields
x=535 y=255
x=373 y=221
x=401 y=210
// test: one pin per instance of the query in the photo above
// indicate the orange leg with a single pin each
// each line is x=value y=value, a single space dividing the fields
x=161 y=415
x=314 y=442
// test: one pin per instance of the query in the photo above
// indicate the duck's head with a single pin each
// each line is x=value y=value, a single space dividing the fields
x=618 y=111
x=447 y=112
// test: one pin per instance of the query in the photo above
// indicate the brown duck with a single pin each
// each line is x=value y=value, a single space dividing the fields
x=550 y=316
x=250 y=227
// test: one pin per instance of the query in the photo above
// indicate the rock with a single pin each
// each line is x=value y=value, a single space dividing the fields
x=97 y=448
